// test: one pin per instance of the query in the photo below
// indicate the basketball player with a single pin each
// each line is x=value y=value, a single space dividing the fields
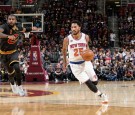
x=9 y=35
x=75 y=43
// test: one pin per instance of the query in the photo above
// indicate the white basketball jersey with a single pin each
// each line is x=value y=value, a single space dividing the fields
x=75 y=47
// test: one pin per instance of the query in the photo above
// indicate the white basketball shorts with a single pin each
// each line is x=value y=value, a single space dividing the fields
x=84 y=71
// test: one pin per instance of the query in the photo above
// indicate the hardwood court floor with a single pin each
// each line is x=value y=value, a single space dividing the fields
x=68 y=99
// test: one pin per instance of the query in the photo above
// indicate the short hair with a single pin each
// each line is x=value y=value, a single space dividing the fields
x=77 y=22
x=12 y=15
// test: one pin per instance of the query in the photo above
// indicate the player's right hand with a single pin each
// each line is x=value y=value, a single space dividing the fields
x=12 y=37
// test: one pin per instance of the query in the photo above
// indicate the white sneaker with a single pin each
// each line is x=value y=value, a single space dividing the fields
x=56 y=80
x=105 y=98
x=21 y=91
x=14 y=88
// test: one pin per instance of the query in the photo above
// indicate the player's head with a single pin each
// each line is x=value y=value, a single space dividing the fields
x=75 y=27
x=11 y=20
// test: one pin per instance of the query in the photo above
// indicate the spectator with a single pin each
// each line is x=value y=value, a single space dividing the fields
x=58 y=74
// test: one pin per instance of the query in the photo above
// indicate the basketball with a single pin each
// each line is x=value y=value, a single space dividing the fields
x=87 y=55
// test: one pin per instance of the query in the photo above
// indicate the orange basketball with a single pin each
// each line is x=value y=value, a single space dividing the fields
x=87 y=55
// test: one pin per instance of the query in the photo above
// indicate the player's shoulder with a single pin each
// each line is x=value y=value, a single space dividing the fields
x=20 y=28
x=67 y=36
x=66 y=39
x=86 y=37
x=3 y=26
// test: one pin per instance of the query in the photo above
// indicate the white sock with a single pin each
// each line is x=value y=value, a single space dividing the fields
x=20 y=87
x=98 y=93
x=13 y=85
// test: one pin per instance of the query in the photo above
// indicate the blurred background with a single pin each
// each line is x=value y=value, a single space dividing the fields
x=109 y=23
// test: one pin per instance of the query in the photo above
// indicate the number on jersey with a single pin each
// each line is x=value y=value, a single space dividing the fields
x=78 y=51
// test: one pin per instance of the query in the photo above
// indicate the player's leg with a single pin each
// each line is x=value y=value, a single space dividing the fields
x=11 y=72
x=12 y=82
x=17 y=73
x=14 y=62
x=81 y=74
x=18 y=79
x=5 y=61
x=93 y=79
x=91 y=73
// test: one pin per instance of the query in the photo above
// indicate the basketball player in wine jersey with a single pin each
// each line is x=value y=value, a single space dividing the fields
x=9 y=36
x=75 y=43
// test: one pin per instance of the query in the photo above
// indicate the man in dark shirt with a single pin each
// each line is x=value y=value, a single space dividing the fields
x=9 y=35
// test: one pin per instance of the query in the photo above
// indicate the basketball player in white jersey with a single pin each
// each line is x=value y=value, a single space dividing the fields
x=75 y=43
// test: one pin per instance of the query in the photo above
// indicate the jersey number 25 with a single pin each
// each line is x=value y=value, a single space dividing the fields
x=78 y=51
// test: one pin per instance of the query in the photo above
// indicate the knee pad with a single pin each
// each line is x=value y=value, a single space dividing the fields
x=95 y=82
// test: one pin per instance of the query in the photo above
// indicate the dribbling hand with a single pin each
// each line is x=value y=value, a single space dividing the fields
x=12 y=37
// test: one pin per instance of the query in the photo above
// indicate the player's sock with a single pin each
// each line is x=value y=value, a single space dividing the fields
x=98 y=93
x=18 y=75
x=103 y=96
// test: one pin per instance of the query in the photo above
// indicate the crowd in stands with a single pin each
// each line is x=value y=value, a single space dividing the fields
x=126 y=18
x=116 y=64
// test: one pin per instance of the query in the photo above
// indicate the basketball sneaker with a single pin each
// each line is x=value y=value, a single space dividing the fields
x=14 y=88
x=21 y=91
x=104 y=98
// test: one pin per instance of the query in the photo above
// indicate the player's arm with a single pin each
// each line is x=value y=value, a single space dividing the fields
x=2 y=35
x=64 y=52
x=87 y=40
